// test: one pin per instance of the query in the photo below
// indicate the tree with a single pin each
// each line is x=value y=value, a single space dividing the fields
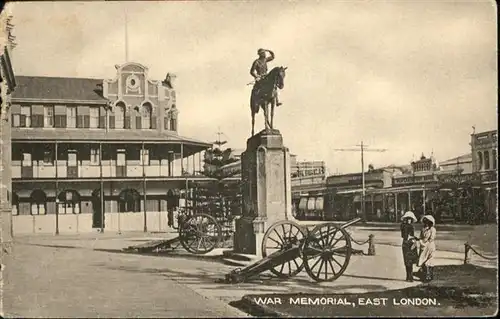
x=460 y=196
x=222 y=198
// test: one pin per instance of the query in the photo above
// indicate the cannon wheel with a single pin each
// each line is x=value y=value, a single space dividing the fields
x=281 y=236
x=326 y=252
x=200 y=233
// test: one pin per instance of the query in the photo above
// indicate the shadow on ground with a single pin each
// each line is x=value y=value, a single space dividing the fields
x=214 y=280
x=177 y=252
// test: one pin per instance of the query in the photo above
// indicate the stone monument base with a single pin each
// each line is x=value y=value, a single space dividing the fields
x=267 y=198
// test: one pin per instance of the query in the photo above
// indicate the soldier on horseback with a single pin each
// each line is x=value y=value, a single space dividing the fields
x=259 y=69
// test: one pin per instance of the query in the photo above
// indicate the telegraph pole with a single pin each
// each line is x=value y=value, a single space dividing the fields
x=363 y=194
x=219 y=142
x=362 y=149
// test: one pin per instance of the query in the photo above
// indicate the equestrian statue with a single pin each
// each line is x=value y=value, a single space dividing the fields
x=265 y=89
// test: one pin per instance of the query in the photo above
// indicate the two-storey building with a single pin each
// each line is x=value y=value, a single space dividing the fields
x=410 y=188
x=484 y=147
x=345 y=193
x=308 y=188
x=94 y=153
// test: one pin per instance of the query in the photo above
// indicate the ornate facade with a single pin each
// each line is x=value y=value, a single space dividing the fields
x=93 y=153
x=484 y=147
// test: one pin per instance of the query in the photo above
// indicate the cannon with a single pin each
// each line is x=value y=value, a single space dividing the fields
x=198 y=234
x=288 y=248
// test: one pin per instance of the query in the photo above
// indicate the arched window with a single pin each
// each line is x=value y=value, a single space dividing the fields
x=129 y=200
x=479 y=161
x=146 y=116
x=486 y=160
x=69 y=202
x=120 y=115
x=38 y=200
x=494 y=154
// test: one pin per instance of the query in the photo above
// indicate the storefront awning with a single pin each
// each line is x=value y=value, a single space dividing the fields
x=350 y=191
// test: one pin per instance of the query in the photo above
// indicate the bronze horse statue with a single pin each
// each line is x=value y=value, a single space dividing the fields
x=264 y=94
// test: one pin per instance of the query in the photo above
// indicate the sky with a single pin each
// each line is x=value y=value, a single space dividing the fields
x=410 y=77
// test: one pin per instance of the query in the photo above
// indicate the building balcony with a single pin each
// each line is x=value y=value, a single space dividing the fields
x=109 y=169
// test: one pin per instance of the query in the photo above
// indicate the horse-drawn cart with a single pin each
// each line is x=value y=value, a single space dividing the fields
x=288 y=248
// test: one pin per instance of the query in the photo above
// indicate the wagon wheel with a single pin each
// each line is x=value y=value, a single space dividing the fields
x=281 y=236
x=200 y=233
x=326 y=252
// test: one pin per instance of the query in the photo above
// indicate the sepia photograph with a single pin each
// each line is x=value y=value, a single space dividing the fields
x=248 y=158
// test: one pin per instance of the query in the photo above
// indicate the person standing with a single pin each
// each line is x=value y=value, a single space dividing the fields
x=427 y=241
x=410 y=255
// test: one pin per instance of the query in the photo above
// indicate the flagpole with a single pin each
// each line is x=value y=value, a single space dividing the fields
x=126 y=34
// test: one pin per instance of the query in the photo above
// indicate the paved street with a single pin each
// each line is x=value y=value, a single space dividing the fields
x=45 y=281
x=88 y=275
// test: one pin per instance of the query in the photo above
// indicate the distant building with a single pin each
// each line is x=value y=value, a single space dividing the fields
x=462 y=163
x=344 y=192
x=233 y=170
x=484 y=147
x=418 y=173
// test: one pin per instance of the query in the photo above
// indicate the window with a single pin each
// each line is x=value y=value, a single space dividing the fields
x=16 y=120
x=47 y=157
x=94 y=117
x=486 y=160
x=27 y=160
x=94 y=156
x=38 y=209
x=71 y=117
x=479 y=161
x=166 y=121
x=48 y=116
x=120 y=158
x=173 y=124
x=145 y=156
x=129 y=201
x=494 y=153
x=120 y=116
x=146 y=116
x=72 y=158
x=25 y=118
x=69 y=203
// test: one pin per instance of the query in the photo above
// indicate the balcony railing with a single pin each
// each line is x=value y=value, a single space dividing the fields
x=109 y=169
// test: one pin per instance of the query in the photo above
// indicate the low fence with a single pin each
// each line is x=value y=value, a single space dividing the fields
x=370 y=242
x=469 y=248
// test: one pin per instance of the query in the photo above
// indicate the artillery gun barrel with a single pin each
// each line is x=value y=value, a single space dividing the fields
x=351 y=222
x=332 y=232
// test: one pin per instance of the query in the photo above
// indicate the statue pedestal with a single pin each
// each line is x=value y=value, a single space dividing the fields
x=267 y=195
